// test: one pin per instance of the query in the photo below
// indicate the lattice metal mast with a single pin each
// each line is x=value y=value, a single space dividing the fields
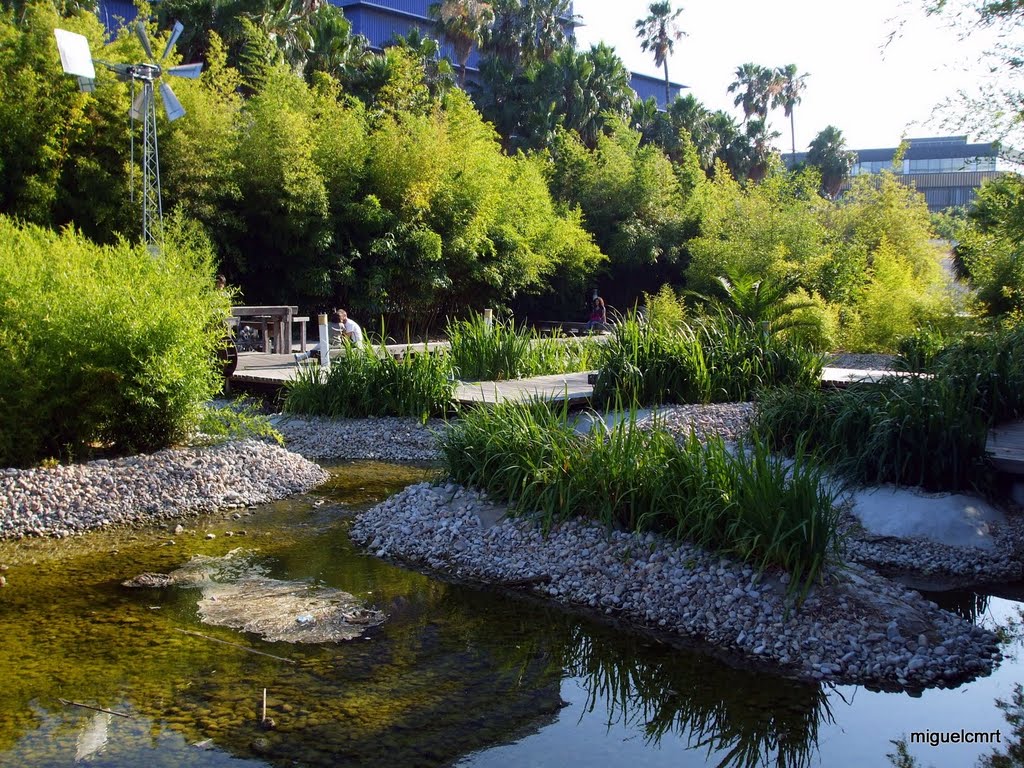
x=76 y=60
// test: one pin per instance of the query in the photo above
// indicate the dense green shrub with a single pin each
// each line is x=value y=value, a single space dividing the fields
x=713 y=358
x=502 y=351
x=102 y=347
x=745 y=503
x=365 y=382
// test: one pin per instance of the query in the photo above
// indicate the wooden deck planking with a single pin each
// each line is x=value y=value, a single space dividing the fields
x=573 y=386
x=1005 y=443
x=1005 y=446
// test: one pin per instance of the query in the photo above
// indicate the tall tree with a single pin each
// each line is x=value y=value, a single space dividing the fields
x=658 y=34
x=829 y=155
x=788 y=88
x=760 y=138
x=464 y=24
x=754 y=85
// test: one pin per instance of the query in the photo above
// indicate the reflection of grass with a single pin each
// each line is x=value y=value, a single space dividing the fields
x=721 y=712
x=969 y=606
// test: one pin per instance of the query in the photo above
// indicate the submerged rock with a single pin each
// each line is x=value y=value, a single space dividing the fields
x=236 y=594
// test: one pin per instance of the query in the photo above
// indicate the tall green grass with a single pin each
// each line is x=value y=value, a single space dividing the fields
x=365 y=383
x=928 y=429
x=500 y=351
x=748 y=503
x=713 y=358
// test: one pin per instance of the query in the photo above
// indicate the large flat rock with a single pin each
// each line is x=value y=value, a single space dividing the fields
x=948 y=518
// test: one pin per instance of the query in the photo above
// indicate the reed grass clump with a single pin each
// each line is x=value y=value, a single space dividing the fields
x=713 y=358
x=928 y=429
x=366 y=381
x=746 y=502
x=501 y=350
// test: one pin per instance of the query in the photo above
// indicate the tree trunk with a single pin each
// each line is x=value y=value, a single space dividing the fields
x=792 y=134
x=668 y=97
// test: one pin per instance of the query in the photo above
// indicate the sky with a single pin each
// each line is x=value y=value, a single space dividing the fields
x=873 y=92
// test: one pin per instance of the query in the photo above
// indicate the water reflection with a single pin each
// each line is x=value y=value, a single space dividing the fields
x=744 y=719
x=454 y=670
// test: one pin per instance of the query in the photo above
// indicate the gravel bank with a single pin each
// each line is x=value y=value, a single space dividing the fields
x=168 y=484
x=387 y=438
x=859 y=628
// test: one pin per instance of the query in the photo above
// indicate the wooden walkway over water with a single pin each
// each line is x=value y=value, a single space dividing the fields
x=1005 y=443
x=272 y=371
x=1006 y=447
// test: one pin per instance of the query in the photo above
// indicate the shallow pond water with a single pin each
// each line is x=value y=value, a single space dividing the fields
x=456 y=675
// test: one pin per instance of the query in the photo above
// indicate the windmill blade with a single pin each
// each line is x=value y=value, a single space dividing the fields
x=74 y=54
x=140 y=31
x=191 y=71
x=172 y=106
x=176 y=31
x=138 y=110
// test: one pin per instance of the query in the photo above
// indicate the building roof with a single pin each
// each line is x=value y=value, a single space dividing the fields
x=931 y=148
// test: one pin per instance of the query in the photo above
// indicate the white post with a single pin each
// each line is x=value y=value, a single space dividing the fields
x=488 y=318
x=325 y=342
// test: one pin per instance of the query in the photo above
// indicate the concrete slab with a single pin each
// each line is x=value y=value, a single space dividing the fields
x=948 y=518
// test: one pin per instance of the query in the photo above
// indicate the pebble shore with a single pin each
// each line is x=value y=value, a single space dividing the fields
x=856 y=628
x=173 y=483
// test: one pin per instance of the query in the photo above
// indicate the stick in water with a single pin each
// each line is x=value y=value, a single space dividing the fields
x=235 y=645
x=264 y=705
x=95 y=709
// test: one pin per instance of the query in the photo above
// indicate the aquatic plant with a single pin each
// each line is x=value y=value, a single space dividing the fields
x=746 y=503
x=717 y=357
x=368 y=381
x=502 y=350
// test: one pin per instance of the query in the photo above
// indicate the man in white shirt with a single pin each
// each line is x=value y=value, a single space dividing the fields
x=347 y=328
x=343 y=330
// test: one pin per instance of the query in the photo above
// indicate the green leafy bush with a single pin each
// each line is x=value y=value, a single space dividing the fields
x=102 y=347
x=745 y=503
x=364 y=383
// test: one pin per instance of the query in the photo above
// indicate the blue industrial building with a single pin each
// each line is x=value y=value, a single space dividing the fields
x=380 y=21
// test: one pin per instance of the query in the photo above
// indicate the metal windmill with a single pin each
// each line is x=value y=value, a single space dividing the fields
x=144 y=78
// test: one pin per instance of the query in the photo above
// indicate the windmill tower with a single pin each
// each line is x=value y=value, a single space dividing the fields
x=144 y=78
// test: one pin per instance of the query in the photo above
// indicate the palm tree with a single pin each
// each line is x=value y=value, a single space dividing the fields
x=771 y=301
x=788 y=87
x=658 y=33
x=829 y=155
x=335 y=48
x=464 y=24
x=760 y=138
x=755 y=85
x=689 y=114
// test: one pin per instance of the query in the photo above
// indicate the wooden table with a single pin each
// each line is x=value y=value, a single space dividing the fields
x=277 y=319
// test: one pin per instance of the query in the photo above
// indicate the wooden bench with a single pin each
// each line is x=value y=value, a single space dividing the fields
x=275 y=322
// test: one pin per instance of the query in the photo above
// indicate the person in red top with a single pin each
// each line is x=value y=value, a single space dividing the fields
x=598 y=316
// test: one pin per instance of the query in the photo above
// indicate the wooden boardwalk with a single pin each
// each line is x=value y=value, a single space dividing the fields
x=272 y=371
x=558 y=387
x=1006 y=447
x=1005 y=442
